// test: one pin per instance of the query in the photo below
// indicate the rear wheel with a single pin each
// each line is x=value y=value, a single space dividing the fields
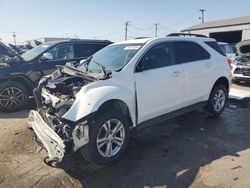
x=13 y=96
x=217 y=100
x=108 y=138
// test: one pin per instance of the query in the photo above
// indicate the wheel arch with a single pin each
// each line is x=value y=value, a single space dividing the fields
x=117 y=104
x=222 y=80
x=21 y=80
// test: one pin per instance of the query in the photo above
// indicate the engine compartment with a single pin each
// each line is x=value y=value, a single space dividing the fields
x=245 y=61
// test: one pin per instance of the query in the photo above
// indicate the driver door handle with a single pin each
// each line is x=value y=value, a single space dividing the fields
x=176 y=74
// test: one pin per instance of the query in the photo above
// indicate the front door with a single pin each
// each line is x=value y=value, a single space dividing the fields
x=159 y=82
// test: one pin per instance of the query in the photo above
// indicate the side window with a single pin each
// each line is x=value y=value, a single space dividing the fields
x=64 y=51
x=86 y=50
x=160 y=55
x=189 y=51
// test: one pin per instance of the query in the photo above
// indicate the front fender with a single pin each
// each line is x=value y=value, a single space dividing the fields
x=89 y=101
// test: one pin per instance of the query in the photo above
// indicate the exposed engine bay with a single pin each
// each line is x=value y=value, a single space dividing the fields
x=56 y=94
x=245 y=61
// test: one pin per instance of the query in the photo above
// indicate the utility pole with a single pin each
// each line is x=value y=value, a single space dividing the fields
x=156 y=29
x=202 y=15
x=126 y=30
x=14 y=36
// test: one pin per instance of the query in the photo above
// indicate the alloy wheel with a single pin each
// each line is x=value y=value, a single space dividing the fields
x=110 y=138
x=11 y=97
x=219 y=100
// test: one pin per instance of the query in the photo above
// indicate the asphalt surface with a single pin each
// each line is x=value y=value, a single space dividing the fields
x=193 y=150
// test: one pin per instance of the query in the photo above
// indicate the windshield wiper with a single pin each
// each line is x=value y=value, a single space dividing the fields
x=99 y=64
x=103 y=68
x=86 y=64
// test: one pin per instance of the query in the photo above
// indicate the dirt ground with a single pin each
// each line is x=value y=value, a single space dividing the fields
x=193 y=150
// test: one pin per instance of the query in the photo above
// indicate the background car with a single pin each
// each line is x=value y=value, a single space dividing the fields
x=241 y=66
x=229 y=50
x=20 y=74
x=5 y=51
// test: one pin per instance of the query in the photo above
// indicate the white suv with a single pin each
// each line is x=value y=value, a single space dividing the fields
x=127 y=85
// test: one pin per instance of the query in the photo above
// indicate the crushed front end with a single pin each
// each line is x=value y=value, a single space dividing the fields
x=54 y=96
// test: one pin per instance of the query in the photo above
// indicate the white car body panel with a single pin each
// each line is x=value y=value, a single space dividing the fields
x=159 y=91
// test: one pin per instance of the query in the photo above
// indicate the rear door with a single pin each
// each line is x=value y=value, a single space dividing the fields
x=159 y=82
x=197 y=67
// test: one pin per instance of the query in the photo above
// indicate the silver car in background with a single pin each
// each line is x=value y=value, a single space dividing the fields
x=241 y=65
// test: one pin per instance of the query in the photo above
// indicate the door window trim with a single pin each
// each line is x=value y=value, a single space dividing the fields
x=150 y=47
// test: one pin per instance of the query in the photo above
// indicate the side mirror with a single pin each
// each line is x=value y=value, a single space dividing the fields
x=47 y=56
x=139 y=67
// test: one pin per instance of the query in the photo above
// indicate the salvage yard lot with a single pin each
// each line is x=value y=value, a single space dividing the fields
x=191 y=150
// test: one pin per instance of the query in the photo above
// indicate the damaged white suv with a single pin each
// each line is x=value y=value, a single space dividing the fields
x=126 y=85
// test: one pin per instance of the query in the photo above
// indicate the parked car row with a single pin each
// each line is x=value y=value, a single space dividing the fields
x=20 y=74
x=93 y=106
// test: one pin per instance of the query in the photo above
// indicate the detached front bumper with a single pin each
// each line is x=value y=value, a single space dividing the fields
x=50 y=140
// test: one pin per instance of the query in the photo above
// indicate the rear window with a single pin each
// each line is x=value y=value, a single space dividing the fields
x=189 y=51
x=216 y=47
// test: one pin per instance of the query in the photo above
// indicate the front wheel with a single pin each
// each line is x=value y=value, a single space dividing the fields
x=108 y=138
x=217 y=100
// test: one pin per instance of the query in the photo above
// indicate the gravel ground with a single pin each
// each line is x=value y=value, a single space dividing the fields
x=193 y=150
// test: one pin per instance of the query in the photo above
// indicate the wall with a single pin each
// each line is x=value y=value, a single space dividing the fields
x=244 y=28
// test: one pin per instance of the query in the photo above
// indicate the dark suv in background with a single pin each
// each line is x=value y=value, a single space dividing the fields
x=20 y=74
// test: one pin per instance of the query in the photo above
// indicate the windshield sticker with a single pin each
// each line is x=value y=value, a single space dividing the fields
x=131 y=47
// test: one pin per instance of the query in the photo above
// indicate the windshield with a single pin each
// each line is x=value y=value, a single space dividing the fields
x=31 y=54
x=113 y=58
x=227 y=48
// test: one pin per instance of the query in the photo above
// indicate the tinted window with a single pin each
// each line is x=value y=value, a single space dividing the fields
x=86 y=50
x=160 y=55
x=216 y=47
x=189 y=51
x=64 y=51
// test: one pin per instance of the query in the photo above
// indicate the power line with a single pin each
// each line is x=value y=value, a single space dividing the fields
x=140 y=28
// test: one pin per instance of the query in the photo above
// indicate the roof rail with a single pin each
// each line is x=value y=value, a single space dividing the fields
x=185 y=34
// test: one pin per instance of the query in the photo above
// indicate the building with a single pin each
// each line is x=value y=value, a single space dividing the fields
x=228 y=30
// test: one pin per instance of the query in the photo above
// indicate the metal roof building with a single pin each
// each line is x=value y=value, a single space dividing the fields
x=228 y=30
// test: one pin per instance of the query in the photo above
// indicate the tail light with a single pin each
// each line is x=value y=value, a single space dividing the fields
x=230 y=62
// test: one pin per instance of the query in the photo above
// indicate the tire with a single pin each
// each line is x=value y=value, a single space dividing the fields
x=217 y=100
x=13 y=96
x=97 y=131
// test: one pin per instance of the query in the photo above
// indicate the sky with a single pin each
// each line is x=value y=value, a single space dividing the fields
x=104 y=19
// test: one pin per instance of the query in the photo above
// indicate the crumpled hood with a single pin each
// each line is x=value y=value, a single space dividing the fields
x=243 y=48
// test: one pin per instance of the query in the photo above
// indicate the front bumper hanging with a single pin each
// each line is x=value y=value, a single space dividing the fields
x=47 y=136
